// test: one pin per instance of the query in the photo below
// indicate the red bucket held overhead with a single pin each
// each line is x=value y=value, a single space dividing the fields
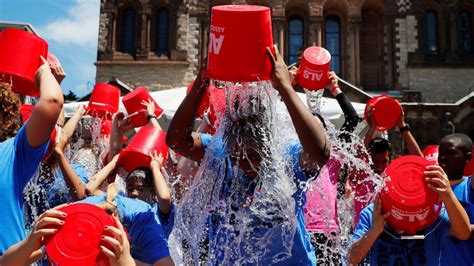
x=238 y=39
x=133 y=104
x=147 y=139
x=313 y=73
x=412 y=204
x=385 y=111
x=104 y=100
x=78 y=241
x=430 y=153
x=20 y=53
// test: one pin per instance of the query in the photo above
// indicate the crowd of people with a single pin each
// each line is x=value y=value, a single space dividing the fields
x=263 y=199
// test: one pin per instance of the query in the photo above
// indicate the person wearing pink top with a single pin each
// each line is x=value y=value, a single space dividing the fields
x=321 y=205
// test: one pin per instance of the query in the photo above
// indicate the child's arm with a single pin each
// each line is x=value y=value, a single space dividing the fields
x=120 y=125
x=71 y=124
x=150 y=112
x=161 y=187
x=408 y=138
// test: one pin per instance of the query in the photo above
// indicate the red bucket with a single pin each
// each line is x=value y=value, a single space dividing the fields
x=25 y=111
x=216 y=108
x=411 y=203
x=104 y=100
x=20 y=53
x=147 y=139
x=313 y=73
x=133 y=103
x=77 y=242
x=430 y=153
x=238 y=39
x=386 y=111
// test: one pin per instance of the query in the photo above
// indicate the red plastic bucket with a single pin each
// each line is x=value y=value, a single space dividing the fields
x=25 y=112
x=238 y=39
x=147 y=139
x=77 y=242
x=386 y=111
x=104 y=100
x=313 y=73
x=411 y=203
x=430 y=153
x=133 y=104
x=216 y=108
x=20 y=53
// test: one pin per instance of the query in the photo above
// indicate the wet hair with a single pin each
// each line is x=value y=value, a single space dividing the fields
x=143 y=173
x=10 y=112
x=463 y=140
x=379 y=145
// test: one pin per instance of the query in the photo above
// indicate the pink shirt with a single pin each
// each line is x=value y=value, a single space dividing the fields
x=321 y=200
x=364 y=194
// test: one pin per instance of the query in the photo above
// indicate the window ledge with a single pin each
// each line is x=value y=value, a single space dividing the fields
x=141 y=62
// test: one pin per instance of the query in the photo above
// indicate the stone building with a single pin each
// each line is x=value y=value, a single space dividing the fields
x=418 y=51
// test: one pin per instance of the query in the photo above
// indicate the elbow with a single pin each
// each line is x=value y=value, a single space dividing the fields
x=465 y=235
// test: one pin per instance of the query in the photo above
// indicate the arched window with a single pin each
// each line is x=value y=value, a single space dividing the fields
x=431 y=25
x=127 y=44
x=295 y=39
x=162 y=31
x=465 y=32
x=333 y=42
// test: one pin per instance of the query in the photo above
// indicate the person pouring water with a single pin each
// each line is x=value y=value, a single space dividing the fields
x=307 y=155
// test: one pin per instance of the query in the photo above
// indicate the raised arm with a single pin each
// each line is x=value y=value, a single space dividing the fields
x=439 y=182
x=150 y=113
x=71 y=124
x=408 y=138
x=76 y=188
x=316 y=147
x=120 y=125
x=162 y=190
x=47 y=110
x=180 y=135
x=94 y=183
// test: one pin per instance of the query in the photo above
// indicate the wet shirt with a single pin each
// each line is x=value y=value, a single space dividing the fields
x=462 y=251
x=167 y=221
x=302 y=252
x=388 y=250
x=147 y=239
x=18 y=163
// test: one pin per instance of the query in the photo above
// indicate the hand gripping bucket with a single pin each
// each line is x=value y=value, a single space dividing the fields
x=386 y=111
x=238 y=38
x=147 y=139
x=412 y=204
x=133 y=104
x=77 y=242
x=104 y=100
x=20 y=53
x=430 y=153
x=313 y=73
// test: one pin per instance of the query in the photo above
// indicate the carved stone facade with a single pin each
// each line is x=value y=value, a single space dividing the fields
x=384 y=45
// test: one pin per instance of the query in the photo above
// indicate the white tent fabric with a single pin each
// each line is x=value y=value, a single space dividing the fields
x=170 y=100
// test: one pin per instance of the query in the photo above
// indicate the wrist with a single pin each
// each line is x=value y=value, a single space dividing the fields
x=151 y=116
x=404 y=127
x=335 y=90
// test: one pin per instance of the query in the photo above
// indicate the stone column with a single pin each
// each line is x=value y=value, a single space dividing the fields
x=142 y=52
x=112 y=33
x=279 y=33
x=315 y=31
x=353 y=42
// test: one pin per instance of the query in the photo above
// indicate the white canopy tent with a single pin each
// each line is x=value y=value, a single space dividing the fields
x=170 y=100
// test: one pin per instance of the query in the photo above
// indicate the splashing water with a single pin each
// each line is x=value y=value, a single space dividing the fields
x=242 y=215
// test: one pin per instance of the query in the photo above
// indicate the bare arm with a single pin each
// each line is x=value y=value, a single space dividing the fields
x=162 y=190
x=439 y=182
x=181 y=138
x=76 y=188
x=408 y=138
x=71 y=124
x=120 y=125
x=361 y=247
x=316 y=147
x=93 y=185
x=47 y=110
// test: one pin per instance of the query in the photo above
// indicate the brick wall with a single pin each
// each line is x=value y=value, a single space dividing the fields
x=441 y=84
x=406 y=42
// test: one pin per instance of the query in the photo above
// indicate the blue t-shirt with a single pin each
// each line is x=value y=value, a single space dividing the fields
x=388 y=250
x=18 y=163
x=453 y=250
x=167 y=221
x=302 y=251
x=147 y=239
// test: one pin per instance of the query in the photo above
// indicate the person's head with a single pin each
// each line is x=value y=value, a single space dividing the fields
x=10 y=120
x=454 y=154
x=248 y=148
x=139 y=184
x=379 y=150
